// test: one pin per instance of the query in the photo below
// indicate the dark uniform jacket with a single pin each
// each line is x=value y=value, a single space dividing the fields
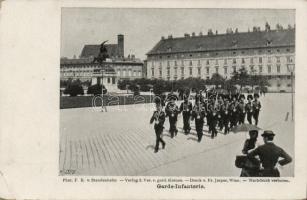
x=269 y=154
x=159 y=118
x=186 y=107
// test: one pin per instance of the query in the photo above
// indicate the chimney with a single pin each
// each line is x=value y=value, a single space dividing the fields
x=170 y=37
x=186 y=35
x=193 y=34
x=120 y=46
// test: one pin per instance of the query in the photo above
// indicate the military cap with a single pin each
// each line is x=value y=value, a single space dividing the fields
x=256 y=95
x=250 y=97
x=253 y=132
x=267 y=133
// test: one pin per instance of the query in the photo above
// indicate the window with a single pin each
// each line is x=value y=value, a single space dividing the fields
x=175 y=71
x=207 y=70
x=152 y=71
x=217 y=69
x=134 y=73
x=160 y=64
x=182 y=71
x=269 y=59
x=260 y=68
x=140 y=73
x=191 y=71
x=243 y=61
x=216 y=62
x=278 y=50
x=251 y=60
x=160 y=71
x=234 y=61
x=225 y=70
x=199 y=71
x=118 y=72
x=234 y=53
x=225 y=61
x=269 y=69
x=278 y=68
x=129 y=72
x=191 y=55
x=175 y=63
x=109 y=80
x=113 y=80
x=191 y=63
x=198 y=62
x=182 y=63
x=260 y=60
x=289 y=59
x=252 y=68
x=288 y=50
x=234 y=68
x=168 y=63
x=168 y=71
x=207 y=62
x=278 y=59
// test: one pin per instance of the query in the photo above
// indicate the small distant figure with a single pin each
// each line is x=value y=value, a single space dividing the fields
x=269 y=155
x=159 y=118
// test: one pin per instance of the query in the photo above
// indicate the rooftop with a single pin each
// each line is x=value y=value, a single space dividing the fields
x=242 y=40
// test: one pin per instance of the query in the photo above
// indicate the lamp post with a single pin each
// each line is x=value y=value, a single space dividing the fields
x=291 y=69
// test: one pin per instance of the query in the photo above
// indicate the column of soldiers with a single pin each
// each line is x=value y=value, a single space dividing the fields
x=220 y=112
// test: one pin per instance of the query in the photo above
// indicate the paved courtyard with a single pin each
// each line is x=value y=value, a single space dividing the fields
x=120 y=142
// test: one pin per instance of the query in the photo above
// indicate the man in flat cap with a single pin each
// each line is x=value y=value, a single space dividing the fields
x=269 y=155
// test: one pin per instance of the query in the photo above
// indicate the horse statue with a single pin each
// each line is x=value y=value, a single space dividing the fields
x=103 y=54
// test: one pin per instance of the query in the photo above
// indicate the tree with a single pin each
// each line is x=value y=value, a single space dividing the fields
x=74 y=90
x=240 y=78
x=217 y=80
x=96 y=89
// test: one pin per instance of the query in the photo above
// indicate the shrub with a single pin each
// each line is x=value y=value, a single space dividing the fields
x=74 y=90
x=96 y=89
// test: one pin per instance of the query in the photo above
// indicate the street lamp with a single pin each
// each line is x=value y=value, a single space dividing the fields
x=291 y=69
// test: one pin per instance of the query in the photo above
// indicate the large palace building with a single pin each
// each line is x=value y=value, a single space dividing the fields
x=117 y=67
x=265 y=53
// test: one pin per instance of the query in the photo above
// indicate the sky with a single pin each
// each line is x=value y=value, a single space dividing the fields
x=144 y=27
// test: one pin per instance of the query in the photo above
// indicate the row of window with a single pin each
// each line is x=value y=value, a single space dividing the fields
x=129 y=72
x=233 y=61
x=119 y=73
x=252 y=69
x=243 y=52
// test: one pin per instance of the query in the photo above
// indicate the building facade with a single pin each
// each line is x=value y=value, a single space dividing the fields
x=265 y=53
x=116 y=68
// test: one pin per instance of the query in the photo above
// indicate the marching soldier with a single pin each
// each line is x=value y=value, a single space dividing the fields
x=198 y=114
x=249 y=109
x=269 y=155
x=256 y=108
x=225 y=116
x=233 y=112
x=186 y=109
x=219 y=110
x=213 y=122
x=159 y=118
x=172 y=111
x=241 y=109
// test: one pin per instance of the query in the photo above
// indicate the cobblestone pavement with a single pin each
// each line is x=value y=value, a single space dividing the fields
x=120 y=142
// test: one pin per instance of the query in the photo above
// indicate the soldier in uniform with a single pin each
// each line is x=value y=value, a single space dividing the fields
x=269 y=155
x=233 y=112
x=249 y=108
x=198 y=114
x=256 y=108
x=225 y=115
x=159 y=118
x=241 y=109
x=214 y=121
x=172 y=111
x=186 y=109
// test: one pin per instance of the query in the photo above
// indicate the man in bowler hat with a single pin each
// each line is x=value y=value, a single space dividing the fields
x=270 y=155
